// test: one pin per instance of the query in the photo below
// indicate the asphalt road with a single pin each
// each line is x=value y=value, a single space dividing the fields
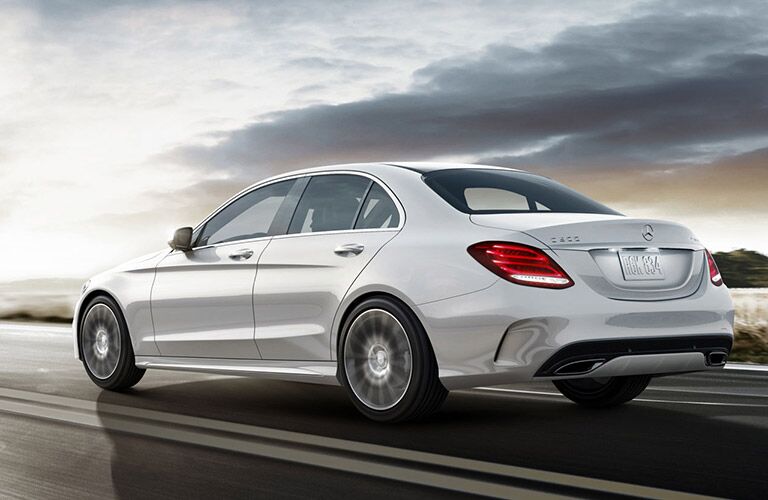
x=190 y=435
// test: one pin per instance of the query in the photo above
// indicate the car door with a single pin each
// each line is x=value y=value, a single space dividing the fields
x=201 y=299
x=340 y=223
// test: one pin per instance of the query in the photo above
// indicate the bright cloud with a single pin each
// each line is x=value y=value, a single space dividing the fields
x=121 y=120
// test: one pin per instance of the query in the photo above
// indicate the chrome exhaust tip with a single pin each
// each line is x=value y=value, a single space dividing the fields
x=717 y=358
x=579 y=367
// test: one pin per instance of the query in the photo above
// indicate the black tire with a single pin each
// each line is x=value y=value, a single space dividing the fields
x=125 y=374
x=423 y=394
x=603 y=393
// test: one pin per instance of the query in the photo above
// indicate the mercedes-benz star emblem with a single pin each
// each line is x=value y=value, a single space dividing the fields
x=648 y=232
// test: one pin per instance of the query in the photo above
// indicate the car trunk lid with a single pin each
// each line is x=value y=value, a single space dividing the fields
x=619 y=257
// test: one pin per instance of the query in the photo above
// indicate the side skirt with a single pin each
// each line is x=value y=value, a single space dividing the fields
x=318 y=372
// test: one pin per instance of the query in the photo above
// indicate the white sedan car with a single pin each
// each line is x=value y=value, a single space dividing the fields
x=403 y=281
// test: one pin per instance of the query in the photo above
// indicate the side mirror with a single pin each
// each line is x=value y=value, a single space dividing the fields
x=182 y=239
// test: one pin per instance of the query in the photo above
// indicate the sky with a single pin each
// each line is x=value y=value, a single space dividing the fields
x=120 y=121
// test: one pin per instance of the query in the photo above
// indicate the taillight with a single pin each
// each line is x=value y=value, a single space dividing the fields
x=714 y=272
x=520 y=264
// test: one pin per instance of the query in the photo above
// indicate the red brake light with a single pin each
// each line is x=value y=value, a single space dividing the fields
x=714 y=272
x=520 y=264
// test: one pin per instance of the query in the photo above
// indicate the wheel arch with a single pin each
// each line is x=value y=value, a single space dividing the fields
x=350 y=304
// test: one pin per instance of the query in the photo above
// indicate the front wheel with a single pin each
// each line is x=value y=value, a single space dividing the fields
x=105 y=346
x=386 y=363
x=603 y=392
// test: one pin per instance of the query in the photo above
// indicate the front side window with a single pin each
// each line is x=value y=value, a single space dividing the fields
x=488 y=191
x=329 y=203
x=250 y=216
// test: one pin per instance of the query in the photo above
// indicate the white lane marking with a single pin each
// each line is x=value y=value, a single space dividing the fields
x=271 y=451
x=332 y=453
x=701 y=403
x=716 y=393
x=517 y=391
x=746 y=367
x=644 y=400
x=37 y=328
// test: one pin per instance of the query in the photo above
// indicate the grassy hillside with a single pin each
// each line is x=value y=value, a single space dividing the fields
x=751 y=328
x=743 y=268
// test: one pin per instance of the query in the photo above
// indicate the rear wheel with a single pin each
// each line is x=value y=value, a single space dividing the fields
x=105 y=346
x=603 y=392
x=386 y=363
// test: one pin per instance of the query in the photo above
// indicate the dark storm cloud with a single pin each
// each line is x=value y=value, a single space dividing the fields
x=648 y=90
x=658 y=123
x=633 y=52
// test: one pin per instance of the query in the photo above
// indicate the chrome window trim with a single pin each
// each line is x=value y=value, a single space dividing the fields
x=295 y=235
x=373 y=178
x=339 y=231
x=236 y=242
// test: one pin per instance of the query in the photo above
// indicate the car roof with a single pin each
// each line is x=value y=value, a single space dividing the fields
x=430 y=166
x=415 y=166
x=421 y=167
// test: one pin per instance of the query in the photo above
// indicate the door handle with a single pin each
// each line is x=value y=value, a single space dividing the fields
x=349 y=248
x=242 y=254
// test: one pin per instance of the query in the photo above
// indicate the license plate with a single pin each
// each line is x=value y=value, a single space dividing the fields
x=641 y=265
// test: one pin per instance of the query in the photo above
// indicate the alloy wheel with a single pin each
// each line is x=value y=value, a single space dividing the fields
x=378 y=359
x=101 y=341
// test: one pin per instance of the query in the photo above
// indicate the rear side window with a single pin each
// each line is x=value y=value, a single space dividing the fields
x=379 y=211
x=329 y=203
x=479 y=191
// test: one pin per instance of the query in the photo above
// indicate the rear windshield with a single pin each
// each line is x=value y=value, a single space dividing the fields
x=478 y=191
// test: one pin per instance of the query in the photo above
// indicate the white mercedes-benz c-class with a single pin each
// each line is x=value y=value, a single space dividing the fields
x=402 y=281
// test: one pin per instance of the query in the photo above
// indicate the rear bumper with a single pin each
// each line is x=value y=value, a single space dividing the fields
x=593 y=358
x=509 y=333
